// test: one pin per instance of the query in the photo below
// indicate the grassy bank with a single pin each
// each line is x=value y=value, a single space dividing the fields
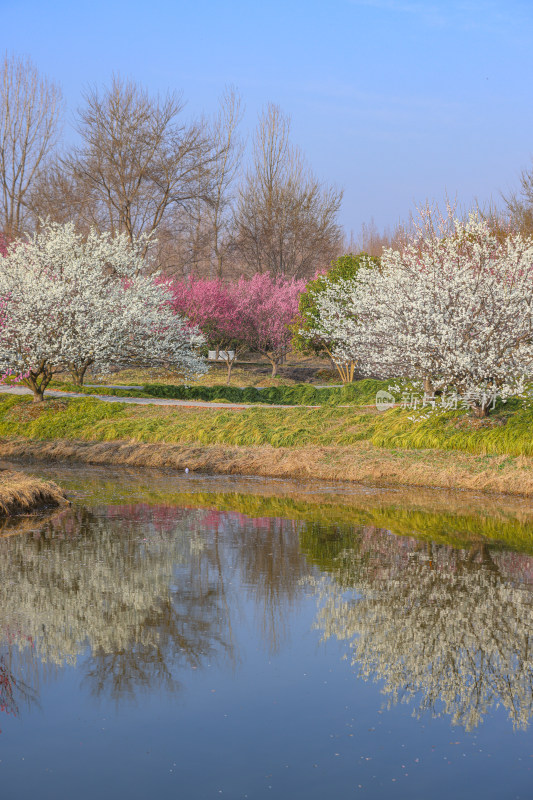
x=509 y=431
x=20 y=494
x=330 y=443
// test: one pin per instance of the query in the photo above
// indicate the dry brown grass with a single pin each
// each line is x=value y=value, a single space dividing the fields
x=20 y=493
x=298 y=368
x=358 y=463
x=241 y=376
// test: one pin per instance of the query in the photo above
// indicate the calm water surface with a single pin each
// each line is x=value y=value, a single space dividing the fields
x=199 y=639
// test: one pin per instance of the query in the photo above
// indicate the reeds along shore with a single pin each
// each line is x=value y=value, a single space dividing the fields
x=360 y=462
x=21 y=494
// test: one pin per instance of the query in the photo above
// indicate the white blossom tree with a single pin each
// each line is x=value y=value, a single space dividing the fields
x=454 y=308
x=73 y=301
x=326 y=323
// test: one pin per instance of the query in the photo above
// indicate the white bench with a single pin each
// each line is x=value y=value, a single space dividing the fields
x=223 y=355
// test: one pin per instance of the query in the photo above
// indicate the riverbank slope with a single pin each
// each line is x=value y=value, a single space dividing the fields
x=494 y=455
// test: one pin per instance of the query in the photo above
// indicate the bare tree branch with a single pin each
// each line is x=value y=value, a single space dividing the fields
x=286 y=220
x=30 y=112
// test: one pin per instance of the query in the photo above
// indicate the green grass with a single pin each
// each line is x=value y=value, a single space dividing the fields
x=360 y=393
x=91 y=419
x=508 y=431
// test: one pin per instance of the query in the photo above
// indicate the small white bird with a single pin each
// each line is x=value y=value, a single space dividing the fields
x=186 y=469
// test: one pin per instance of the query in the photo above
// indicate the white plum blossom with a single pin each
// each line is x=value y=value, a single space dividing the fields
x=454 y=308
x=72 y=301
x=153 y=334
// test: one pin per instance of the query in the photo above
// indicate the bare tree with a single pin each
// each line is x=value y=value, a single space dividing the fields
x=286 y=220
x=520 y=203
x=373 y=241
x=229 y=149
x=199 y=240
x=30 y=114
x=138 y=159
x=60 y=196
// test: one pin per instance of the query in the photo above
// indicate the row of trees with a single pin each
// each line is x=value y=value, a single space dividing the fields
x=140 y=166
x=453 y=309
x=71 y=302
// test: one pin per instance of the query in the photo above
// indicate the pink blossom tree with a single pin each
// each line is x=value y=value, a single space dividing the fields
x=216 y=309
x=252 y=314
x=269 y=306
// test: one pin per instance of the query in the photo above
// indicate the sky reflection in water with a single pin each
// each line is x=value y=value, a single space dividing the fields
x=190 y=650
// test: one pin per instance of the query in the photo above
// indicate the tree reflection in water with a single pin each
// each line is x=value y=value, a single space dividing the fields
x=135 y=594
x=13 y=690
x=448 y=630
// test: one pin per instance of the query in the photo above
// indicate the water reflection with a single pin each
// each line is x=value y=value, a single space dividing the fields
x=135 y=595
x=448 y=630
x=14 y=692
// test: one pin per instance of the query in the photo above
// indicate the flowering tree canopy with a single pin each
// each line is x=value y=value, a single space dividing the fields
x=454 y=308
x=153 y=335
x=72 y=301
x=216 y=308
x=212 y=306
x=269 y=306
x=252 y=314
x=316 y=330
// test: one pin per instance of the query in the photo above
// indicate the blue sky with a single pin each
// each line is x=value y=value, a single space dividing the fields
x=396 y=101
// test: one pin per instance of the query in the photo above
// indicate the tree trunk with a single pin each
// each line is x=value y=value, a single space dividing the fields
x=346 y=371
x=38 y=387
x=230 y=363
x=428 y=386
x=78 y=375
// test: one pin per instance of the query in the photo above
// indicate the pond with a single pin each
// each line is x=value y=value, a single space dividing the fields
x=195 y=637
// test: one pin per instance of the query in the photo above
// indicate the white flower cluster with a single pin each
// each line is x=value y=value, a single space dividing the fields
x=454 y=309
x=72 y=301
